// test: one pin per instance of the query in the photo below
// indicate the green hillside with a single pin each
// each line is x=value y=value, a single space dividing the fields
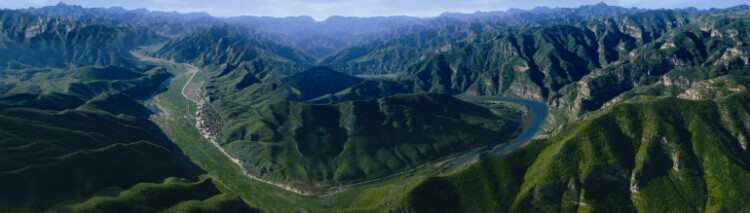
x=232 y=47
x=358 y=130
x=360 y=140
x=583 y=67
x=172 y=195
x=73 y=125
x=164 y=23
x=69 y=135
x=30 y=41
x=454 y=30
x=395 y=55
x=648 y=111
x=578 y=67
x=657 y=155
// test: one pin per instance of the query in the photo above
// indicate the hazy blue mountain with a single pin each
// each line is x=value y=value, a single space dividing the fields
x=231 y=48
x=321 y=38
x=393 y=55
x=583 y=12
x=648 y=110
x=166 y=23
x=30 y=40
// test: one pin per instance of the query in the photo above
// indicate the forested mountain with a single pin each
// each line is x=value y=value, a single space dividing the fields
x=655 y=155
x=277 y=136
x=165 y=23
x=318 y=38
x=321 y=38
x=578 y=67
x=361 y=140
x=393 y=55
x=633 y=111
x=584 y=12
x=575 y=66
x=28 y=40
x=73 y=126
x=230 y=46
x=71 y=135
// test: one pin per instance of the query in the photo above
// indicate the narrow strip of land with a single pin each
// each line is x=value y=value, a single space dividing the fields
x=202 y=126
x=538 y=112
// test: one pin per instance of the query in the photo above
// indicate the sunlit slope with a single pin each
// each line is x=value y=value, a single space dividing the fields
x=171 y=195
x=657 y=155
x=272 y=126
x=360 y=140
x=581 y=66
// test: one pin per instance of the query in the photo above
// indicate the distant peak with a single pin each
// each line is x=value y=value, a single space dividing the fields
x=61 y=3
x=601 y=3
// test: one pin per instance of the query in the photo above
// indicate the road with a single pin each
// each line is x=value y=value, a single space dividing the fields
x=202 y=126
x=538 y=113
x=195 y=71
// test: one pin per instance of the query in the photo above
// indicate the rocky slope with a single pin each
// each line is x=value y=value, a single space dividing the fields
x=29 y=40
x=657 y=154
x=579 y=67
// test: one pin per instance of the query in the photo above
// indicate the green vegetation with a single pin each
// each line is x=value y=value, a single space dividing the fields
x=362 y=140
x=277 y=136
x=657 y=103
x=657 y=155
x=73 y=126
x=172 y=195
x=580 y=65
x=227 y=176
x=34 y=41
x=230 y=179
x=273 y=127
x=78 y=126
x=231 y=47
x=449 y=33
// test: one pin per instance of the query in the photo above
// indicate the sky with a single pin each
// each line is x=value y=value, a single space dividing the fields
x=321 y=9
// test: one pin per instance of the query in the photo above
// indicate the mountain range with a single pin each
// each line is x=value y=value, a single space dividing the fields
x=114 y=110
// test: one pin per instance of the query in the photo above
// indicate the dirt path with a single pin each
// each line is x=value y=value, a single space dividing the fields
x=194 y=71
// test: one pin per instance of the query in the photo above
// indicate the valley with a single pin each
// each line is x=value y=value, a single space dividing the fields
x=595 y=108
x=208 y=133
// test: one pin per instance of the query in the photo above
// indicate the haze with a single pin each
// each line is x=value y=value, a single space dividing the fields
x=321 y=9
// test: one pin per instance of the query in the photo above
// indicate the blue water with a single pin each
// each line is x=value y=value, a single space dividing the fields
x=540 y=111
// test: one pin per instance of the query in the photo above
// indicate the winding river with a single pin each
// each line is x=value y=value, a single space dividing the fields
x=537 y=112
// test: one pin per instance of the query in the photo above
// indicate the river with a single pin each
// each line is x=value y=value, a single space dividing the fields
x=537 y=112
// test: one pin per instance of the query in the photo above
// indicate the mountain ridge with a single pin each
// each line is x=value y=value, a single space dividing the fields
x=656 y=154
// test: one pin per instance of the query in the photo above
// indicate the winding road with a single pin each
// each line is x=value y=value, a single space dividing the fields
x=206 y=133
x=538 y=112
x=195 y=71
